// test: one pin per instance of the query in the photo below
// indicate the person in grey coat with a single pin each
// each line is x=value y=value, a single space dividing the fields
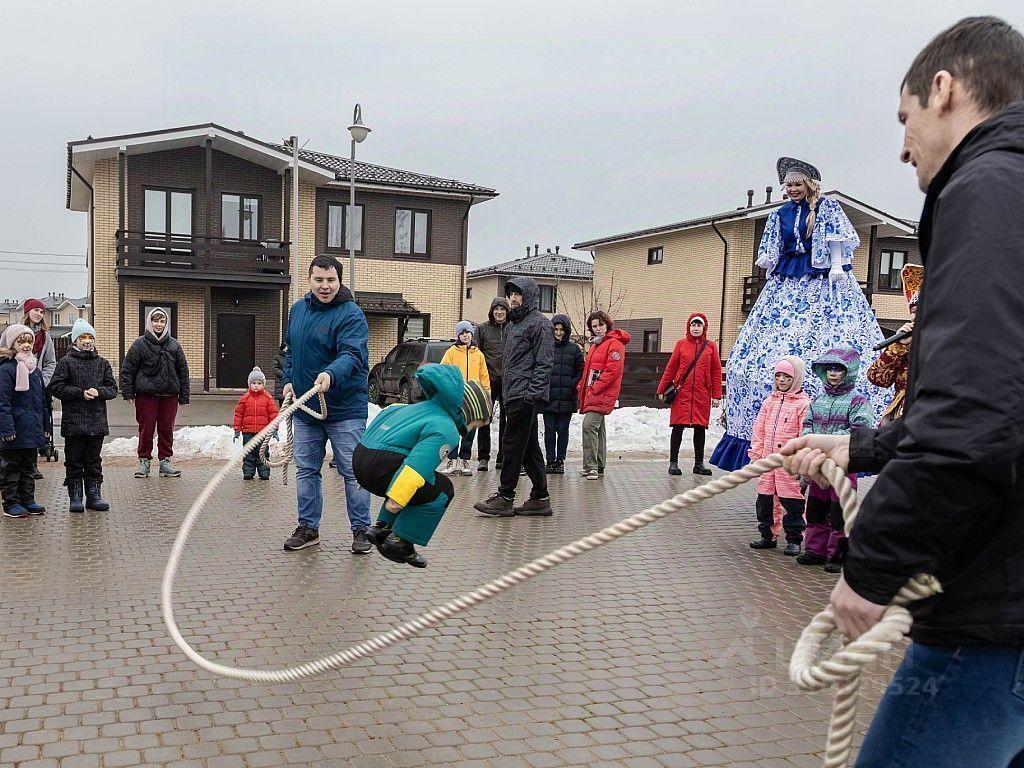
x=490 y=339
x=525 y=386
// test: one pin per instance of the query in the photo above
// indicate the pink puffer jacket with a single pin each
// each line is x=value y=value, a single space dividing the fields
x=780 y=419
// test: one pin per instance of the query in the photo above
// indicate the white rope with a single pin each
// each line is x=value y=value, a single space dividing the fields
x=285 y=456
x=844 y=668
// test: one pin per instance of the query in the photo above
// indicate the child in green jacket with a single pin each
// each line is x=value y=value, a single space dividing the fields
x=398 y=455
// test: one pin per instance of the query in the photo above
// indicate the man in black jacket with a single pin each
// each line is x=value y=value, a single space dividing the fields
x=525 y=381
x=490 y=339
x=949 y=499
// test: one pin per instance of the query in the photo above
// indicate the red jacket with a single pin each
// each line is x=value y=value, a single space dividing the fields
x=602 y=374
x=692 y=406
x=254 y=411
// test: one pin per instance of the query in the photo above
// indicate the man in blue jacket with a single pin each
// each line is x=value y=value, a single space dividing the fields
x=326 y=348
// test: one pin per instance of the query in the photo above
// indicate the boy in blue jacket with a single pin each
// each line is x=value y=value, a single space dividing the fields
x=22 y=419
x=398 y=456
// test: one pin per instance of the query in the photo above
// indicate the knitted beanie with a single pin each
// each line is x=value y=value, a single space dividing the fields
x=462 y=326
x=257 y=375
x=476 y=402
x=34 y=304
x=80 y=327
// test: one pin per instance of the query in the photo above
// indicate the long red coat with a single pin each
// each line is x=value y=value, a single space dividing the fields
x=692 y=406
x=602 y=374
x=254 y=411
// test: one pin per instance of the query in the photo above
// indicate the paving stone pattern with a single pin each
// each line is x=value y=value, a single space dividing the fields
x=664 y=650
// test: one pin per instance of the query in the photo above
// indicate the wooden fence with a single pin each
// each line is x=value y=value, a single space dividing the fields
x=641 y=376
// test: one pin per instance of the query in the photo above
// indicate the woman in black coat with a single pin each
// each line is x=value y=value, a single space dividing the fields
x=566 y=370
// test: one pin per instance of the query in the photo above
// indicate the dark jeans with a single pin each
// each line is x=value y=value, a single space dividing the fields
x=522 y=451
x=464 y=450
x=483 y=448
x=252 y=461
x=677 y=439
x=82 y=458
x=556 y=435
x=18 y=483
x=155 y=413
x=948 y=707
x=792 y=521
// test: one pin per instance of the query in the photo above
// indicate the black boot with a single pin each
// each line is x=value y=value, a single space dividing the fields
x=378 y=534
x=75 y=496
x=558 y=468
x=673 y=468
x=402 y=551
x=93 y=500
x=700 y=469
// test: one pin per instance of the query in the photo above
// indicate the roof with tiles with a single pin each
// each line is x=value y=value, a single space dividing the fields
x=540 y=265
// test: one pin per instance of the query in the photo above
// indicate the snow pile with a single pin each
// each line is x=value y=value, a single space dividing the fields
x=630 y=430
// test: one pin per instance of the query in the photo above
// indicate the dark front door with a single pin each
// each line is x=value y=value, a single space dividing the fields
x=236 y=350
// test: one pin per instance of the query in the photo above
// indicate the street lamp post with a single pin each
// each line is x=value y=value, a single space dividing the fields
x=359 y=133
x=293 y=251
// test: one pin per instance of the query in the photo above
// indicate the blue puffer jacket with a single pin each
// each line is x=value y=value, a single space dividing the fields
x=21 y=413
x=329 y=337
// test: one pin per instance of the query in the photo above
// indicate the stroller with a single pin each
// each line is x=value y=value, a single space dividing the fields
x=49 y=451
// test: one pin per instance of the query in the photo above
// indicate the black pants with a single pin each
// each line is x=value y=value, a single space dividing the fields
x=792 y=520
x=556 y=435
x=82 y=458
x=677 y=440
x=521 y=450
x=483 y=440
x=464 y=450
x=252 y=461
x=375 y=468
x=18 y=484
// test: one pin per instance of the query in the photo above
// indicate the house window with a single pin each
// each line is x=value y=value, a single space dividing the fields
x=412 y=232
x=415 y=328
x=469 y=291
x=167 y=218
x=655 y=255
x=344 y=231
x=171 y=307
x=547 y=298
x=889 y=277
x=652 y=341
x=239 y=217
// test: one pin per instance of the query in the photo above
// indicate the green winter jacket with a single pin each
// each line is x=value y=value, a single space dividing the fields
x=423 y=432
x=838 y=409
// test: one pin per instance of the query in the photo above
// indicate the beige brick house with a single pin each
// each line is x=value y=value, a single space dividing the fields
x=198 y=219
x=565 y=285
x=706 y=264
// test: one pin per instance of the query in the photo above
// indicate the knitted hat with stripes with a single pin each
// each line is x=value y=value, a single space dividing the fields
x=476 y=402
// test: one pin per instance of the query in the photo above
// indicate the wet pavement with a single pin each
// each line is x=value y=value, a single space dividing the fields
x=666 y=649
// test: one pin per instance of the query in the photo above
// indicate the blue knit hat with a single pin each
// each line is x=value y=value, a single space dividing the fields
x=462 y=326
x=81 y=326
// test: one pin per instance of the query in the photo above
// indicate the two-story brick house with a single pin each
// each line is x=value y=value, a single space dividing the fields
x=706 y=264
x=198 y=219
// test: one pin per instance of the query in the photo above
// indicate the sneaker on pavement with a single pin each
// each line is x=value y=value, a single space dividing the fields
x=496 y=505
x=535 y=508
x=36 y=474
x=584 y=472
x=143 y=470
x=833 y=567
x=34 y=508
x=449 y=467
x=593 y=474
x=498 y=464
x=303 y=537
x=18 y=512
x=360 y=544
x=482 y=466
x=792 y=549
x=464 y=468
x=168 y=470
x=764 y=544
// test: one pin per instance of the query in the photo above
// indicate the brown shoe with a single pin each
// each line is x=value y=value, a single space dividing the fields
x=535 y=508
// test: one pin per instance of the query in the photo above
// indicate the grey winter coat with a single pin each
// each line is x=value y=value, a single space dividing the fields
x=490 y=339
x=529 y=347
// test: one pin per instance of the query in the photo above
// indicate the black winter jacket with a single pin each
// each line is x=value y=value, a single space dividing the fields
x=950 y=497
x=76 y=372
x=566 y=370
x=154 y=367
x=490 y=339
x=529 y=344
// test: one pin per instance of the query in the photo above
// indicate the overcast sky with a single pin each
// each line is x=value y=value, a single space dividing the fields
x=589 y=118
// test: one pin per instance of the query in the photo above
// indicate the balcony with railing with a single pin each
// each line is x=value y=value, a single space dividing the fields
x=197 y=257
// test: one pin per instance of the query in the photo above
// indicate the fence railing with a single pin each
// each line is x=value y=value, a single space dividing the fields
x=200 y=253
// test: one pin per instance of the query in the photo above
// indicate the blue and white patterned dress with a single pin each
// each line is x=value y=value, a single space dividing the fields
x=798 y=313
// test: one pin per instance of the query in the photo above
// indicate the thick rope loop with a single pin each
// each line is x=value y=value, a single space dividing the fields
x=285 y=457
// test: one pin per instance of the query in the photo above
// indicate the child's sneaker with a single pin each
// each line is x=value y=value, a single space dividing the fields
x=833 y=567
x=464 y=468
x=167 y=470
x=792 y=549
x=34 y=508
x=449 y=467
x=143 y=470
x=764 y=544
x=811 y=558
x=18 y=512
x=482 y=466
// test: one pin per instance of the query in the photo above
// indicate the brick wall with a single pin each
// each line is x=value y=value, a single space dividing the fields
x=190 y=331
x=264 y=306
x=104 y=248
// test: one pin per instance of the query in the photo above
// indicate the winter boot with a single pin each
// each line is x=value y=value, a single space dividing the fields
x=75 y=496
x=93 y=500
x=167 y=470
x=377 y=534
x=401 y=551
x=833 y=567
x=792 y=549
x=673 y=468
x=811 y=558
x=764 y=544
x=143 y=470
x=700 y=469
x=559 y=468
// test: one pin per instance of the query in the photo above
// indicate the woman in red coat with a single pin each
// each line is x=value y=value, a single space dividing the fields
x=696 y=390
x=599 y=389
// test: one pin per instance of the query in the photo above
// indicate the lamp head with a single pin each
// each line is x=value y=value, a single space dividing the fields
x=357 y=129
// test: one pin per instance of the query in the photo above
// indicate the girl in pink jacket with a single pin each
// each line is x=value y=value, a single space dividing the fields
x=781 y=418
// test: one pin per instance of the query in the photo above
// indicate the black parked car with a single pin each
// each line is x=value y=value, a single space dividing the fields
x=394 y=377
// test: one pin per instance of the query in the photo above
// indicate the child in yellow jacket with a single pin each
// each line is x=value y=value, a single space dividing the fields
x=473 y=367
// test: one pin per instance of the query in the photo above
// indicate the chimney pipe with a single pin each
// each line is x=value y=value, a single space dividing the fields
x=750 y=197
x=527 y=250
x=767 y=194
x=536 y=249
x=549 y=251
x=556 y=249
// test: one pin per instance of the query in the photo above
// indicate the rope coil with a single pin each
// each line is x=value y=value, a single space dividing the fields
x=842 y=669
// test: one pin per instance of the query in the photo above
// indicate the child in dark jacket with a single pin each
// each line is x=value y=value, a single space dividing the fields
x=83 y=382
x=255 y=409
x=22 y=431
x=834 y=412
x=398 y=455
x=566 y=371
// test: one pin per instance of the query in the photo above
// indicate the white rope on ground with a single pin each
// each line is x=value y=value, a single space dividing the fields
x=843 y=668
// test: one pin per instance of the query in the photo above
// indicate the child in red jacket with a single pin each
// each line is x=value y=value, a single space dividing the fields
x=254 y=411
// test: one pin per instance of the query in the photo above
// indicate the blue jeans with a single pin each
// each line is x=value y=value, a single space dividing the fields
x=309 y=447
x=949 y=707
x=464 y=450
x=556 y=435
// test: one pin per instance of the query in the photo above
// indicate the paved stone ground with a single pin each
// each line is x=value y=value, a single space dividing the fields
x=664 y=650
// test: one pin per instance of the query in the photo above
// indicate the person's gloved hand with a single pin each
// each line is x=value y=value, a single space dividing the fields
x=237 y=435
x=836 y=273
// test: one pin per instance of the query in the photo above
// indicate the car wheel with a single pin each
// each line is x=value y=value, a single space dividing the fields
x=405 y=393
x=374 y=394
